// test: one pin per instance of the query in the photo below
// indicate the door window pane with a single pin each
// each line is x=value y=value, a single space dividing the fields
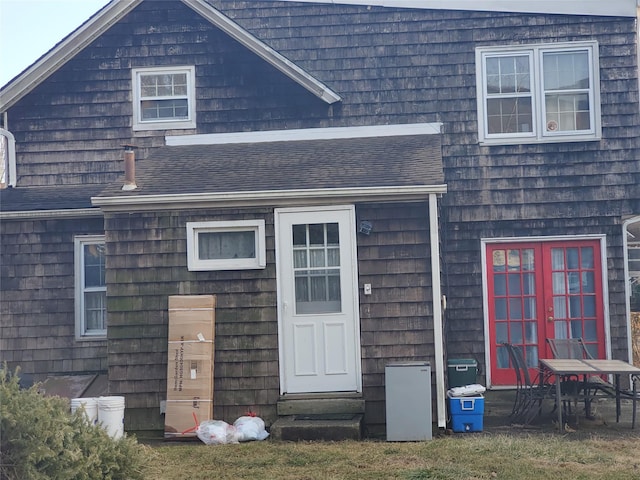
x=499 y=285
x=500 y=305
x=514 y=284
x=515 y=309
x=529 y=308
x=516 y=333
x=587 y=257
x=589 y=305
x=502 y=332
x=531 y=332
x=590 y=333
x=315 y=249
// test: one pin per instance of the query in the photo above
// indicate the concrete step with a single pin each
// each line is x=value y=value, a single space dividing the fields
x=320 y=405
x=329 y=427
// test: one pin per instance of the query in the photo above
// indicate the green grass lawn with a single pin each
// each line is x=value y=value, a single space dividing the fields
x=536 y=456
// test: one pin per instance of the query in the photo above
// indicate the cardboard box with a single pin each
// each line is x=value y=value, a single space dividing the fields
x=190 y=363
x=190 y=370
x=183 y=416
x=195 y=323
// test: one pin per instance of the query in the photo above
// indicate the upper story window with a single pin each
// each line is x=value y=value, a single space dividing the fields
x=91 y=288
x=8 y=159
x=538 y=93
x=164 y=98
x=226 y=245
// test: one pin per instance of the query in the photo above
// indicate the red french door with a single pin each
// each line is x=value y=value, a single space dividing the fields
x=542 y=290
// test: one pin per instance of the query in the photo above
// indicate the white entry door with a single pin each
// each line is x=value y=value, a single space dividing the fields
x=317 y=300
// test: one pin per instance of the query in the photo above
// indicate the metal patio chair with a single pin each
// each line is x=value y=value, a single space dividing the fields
x=530 y=392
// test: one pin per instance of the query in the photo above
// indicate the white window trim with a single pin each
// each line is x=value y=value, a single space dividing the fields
x=79 y=242
x=172 y=124
x=538 y=105
x=194 y=263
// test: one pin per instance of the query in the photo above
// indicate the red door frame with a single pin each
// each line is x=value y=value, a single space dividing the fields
x=525 y=301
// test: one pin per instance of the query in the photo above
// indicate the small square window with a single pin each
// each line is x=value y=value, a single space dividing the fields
x=230 y=245
x=164 y=98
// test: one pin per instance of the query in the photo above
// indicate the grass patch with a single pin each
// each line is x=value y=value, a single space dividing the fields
x=449 y=458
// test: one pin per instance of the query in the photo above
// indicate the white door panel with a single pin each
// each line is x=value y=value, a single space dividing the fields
x=317 y=291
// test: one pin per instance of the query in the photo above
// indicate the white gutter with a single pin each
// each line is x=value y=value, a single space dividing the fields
x=156 y=202
x=436 y=297
x=612 y=8
x=40 y=214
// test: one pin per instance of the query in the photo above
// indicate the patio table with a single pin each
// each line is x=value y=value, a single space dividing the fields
x=561 y=367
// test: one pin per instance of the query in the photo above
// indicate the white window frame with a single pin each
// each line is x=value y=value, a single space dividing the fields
x=163 y=124
x=195 y=263
x=80 y=241
x=539 y=133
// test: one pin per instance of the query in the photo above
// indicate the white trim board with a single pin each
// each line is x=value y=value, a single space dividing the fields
x=329 y=133
x=610 y=8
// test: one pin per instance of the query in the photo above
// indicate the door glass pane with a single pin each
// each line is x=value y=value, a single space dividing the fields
x=559 y=307
x=316 y=265
x=557 y=259
x=588 y=282
x=502 y=332
x=499 y=285
x=575 y=307
x=529 y=308
x=590 y=332
x=532 y=356
x=499 y=261
x=503 y=357
x=515 y=309
x=529 y=284
x=500 y=308
x=576 y=329
x=516 y=333
x=531 y=332
x=558 y=282
x=527 y=259
x=514 y=284
x=514 y=260
x=572 y=259
x=589 y=304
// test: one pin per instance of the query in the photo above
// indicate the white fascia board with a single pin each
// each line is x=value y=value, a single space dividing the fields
x=265 y=52
x=47 y=214
x=268 y=197
x=330 y=133
x=609 y=8
x=64 y=51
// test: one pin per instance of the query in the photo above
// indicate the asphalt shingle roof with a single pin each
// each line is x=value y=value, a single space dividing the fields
x=289 y=165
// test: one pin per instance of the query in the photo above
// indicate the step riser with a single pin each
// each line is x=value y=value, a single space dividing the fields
x=320 y=406
x=290 y=429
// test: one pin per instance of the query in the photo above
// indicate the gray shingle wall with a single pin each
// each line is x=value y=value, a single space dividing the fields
x=37 y=328
x=147 y=256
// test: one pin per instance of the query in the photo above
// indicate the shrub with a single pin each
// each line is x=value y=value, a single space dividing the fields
x=40 y=439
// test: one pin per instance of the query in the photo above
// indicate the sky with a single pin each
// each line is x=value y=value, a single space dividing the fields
x=30 y=28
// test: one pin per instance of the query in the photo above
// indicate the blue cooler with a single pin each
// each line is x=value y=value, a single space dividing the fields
x=467 y=413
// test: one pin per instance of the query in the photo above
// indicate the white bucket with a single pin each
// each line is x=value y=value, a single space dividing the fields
x=90 y=406
x=111 y=415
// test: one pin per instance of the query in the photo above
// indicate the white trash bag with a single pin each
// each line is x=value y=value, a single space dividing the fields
x=216 y=432
x=250 y=428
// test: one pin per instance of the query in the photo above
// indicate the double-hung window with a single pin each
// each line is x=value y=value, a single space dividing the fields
x=164 y=98
x=538 y=93
x=91 y=289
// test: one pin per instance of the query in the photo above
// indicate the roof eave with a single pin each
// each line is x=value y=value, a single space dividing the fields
x=112 y=13
x=64 y=51
x=269 y=197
